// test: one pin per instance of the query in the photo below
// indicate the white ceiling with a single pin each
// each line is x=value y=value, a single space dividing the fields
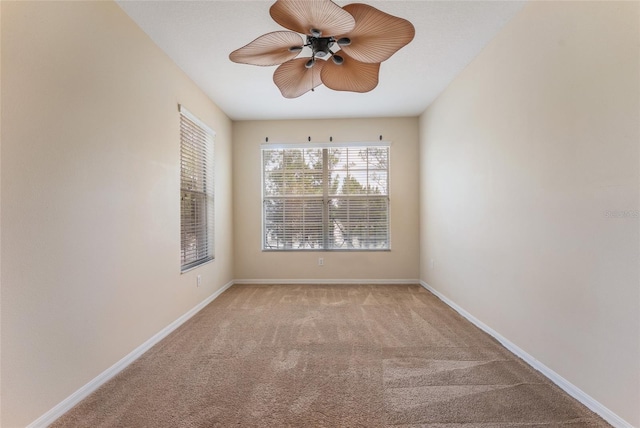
x=199 y=35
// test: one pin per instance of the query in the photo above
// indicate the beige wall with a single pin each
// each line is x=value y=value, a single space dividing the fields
x=90 y=198
x=400 y=263
x=521 y=158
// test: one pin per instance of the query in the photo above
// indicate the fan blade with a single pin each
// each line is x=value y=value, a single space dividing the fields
x=351 y=75
x=377 y=35
x=269 y=49
x=293 y=78
x=304 y=15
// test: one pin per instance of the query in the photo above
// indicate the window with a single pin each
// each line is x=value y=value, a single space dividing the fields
x=196 y=191
x=325 y=197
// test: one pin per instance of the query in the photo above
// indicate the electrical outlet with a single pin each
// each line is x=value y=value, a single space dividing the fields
x=320 y=261
x=198 y=280
x=433 y=263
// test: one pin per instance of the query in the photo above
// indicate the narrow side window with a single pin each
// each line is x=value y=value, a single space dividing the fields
x=196 y=191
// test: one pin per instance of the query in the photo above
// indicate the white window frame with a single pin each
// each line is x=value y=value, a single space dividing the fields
x=327 y=243
x=197 y=203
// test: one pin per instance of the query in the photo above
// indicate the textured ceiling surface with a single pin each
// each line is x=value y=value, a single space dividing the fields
x=199 y=35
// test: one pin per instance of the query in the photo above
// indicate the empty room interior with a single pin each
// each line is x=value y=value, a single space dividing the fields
x=307 y=213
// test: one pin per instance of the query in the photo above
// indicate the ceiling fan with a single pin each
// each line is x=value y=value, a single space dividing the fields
x=347 y=45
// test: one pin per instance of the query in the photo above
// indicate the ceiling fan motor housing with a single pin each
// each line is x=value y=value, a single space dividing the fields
x=320 y=46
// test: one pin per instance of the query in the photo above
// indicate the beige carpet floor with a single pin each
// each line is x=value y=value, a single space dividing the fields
x=329 y=356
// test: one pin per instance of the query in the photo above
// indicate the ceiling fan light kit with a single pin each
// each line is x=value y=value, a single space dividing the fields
x=357 y=38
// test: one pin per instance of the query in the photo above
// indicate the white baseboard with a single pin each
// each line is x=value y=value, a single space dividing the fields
x=554 y=377
x=325 y=281
x=66 y=405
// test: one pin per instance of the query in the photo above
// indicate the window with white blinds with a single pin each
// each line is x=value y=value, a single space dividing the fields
x=196 y=191
x=326 y=197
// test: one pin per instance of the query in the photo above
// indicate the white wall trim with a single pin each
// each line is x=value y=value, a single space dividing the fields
x=325 y=281
x=554 y=377
x=66 y=404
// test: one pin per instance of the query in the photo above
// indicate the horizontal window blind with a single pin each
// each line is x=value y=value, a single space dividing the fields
x=196 y=191
x=331 y=198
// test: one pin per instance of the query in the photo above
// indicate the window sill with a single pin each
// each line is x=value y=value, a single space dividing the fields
x=190 y=268
x=314 y=250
